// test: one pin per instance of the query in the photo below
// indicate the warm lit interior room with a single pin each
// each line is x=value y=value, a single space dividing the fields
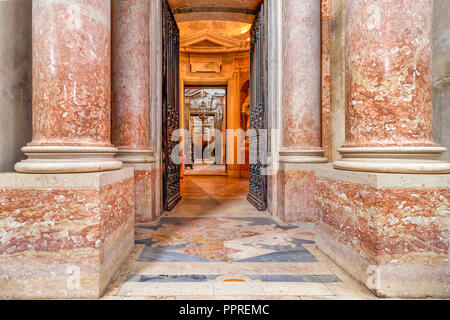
x=214 y=89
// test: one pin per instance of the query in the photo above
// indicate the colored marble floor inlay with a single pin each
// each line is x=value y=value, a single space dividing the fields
x=222 y=248
x=237 y=239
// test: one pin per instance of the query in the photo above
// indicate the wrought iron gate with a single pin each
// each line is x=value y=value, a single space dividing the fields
x=258 y=115
x=170 y=106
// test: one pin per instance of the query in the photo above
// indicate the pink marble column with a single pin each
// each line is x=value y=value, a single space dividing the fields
x=131 y=99
x=389 y=125
x=131 y=76
x=301 y=107
x=301 y=115
x=71 y=88
x=326 y=77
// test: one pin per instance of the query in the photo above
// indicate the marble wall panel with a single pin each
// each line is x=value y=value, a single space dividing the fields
x=146 y=181
x=298 y=193
x=64 y=243
x=395 y=240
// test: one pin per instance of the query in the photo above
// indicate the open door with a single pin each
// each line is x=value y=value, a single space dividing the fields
x=170 y=106
x=258 y=115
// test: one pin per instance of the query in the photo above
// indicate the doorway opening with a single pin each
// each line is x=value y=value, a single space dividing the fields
x=205 y=112
x=214 y=108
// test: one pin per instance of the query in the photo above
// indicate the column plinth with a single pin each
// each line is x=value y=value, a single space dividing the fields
x=301 y=115
x=71 y=88
x=389 y=125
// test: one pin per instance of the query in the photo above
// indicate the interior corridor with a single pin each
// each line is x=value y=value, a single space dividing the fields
x=216 y=245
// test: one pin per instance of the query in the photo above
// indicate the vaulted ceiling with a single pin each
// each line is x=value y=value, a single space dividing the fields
x=224 y=10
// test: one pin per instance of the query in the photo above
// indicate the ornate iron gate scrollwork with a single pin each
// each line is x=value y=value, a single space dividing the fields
x=258 y=115
x=170 y=106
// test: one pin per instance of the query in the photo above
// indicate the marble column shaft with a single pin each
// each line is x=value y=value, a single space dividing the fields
x=131 y=100
x=301 y=123
x=131 y=76
x=389 y=125
x=326 y=77
x=301 y=115
x=71 y=88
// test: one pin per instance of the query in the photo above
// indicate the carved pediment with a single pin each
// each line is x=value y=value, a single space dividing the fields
x=210 y=42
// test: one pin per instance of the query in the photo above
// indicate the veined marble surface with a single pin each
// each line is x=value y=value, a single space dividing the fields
x=71 y=72
x=389 y=79
x=65 y=242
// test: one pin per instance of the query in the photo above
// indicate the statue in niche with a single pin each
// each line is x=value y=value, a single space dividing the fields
x=245 y=113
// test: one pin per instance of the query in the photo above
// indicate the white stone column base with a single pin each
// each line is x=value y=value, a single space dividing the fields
x=302 y=156
x=393 y=160
x=136 y=156
x=68 y=159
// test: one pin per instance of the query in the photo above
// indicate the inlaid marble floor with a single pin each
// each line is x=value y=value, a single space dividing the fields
x=220 y=247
